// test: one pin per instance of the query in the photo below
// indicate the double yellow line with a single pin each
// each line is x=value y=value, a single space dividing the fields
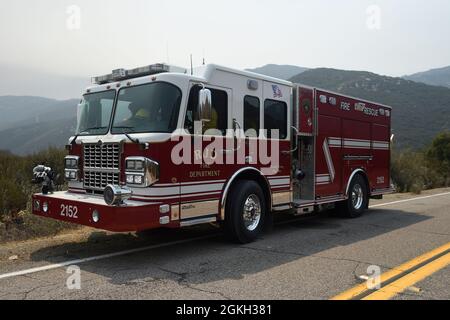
x=402 y=277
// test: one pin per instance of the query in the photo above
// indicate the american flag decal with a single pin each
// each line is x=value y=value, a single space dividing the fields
x=277 y=92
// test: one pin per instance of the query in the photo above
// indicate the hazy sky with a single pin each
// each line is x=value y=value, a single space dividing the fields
x=396 y=37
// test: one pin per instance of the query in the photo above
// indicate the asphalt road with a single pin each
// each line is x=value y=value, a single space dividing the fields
x=308 y=258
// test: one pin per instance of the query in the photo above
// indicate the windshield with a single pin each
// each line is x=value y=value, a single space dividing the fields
x=152 y=107
x=94 y=113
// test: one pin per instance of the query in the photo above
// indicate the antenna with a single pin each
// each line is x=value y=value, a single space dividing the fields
x=192 y=66
x=204 y=57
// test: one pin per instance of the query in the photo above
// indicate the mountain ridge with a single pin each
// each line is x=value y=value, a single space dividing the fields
x=284 y=72
x=435 y=77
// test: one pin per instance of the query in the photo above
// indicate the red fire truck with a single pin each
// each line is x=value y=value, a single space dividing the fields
x=139 y=159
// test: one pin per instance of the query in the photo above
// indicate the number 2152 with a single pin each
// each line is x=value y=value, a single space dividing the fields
x=69 y=211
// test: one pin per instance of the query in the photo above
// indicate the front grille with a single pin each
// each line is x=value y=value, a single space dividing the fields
x=101 y=165
x=101 y=156
x=99 y=180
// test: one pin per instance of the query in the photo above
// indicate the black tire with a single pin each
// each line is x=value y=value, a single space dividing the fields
x=358 y=199
x=236 y=227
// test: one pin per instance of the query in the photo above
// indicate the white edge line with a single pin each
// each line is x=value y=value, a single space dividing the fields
x=100 y=257
x=408 y=200
x=122 y=253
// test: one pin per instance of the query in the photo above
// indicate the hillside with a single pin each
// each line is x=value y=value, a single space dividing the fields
x=420 y=111
x=434 y=77
x=279 y=71
x=27 y=110
x=30 y=124
x=34 y=138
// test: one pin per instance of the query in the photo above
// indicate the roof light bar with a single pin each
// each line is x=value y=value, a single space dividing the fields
x=149 y=70
x=122 y=74
x=119 y=73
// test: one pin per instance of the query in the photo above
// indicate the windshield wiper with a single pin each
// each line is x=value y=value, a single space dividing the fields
x=84 y=132
x=127 y=134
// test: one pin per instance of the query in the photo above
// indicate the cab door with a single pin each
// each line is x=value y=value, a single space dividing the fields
x=276 y=124
x=203 y=180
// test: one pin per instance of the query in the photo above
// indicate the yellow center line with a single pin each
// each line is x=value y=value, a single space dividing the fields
x=410 y=279
x=360 y=289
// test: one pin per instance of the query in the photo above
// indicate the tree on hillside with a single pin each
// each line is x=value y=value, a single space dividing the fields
x=438 y=155
x=12 y=199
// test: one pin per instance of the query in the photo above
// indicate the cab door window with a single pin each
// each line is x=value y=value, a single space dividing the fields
x=275 y=118
x=251 y=116
x=219 y=112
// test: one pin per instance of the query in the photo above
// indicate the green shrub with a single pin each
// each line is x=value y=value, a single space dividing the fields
x=438 y=157
x=16 y=189
x=12 y=199
x=408 y=170
x=414 y=171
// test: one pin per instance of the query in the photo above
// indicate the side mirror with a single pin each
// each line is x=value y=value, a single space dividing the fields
x=204 y=105
x=79 y=114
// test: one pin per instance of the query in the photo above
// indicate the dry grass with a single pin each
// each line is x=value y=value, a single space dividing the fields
x=25 y=226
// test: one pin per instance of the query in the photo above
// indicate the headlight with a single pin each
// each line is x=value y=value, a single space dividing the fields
x=71 y=175
x=71 y=166
x=71 y=162
x=141 y=172
x=138 y=179
x=130 y=179
x=139 y=165
x=131 y=164
x=133 y=179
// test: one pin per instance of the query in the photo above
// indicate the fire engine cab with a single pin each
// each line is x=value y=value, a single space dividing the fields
x=161 y=146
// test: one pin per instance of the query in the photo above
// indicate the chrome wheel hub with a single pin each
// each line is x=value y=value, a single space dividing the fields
x=357 y=196
x=252 y=212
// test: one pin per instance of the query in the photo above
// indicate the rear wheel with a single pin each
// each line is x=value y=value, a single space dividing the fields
x=358 y=199
x=245 y=212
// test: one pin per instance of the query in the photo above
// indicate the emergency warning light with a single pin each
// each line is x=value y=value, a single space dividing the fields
x=123 y=74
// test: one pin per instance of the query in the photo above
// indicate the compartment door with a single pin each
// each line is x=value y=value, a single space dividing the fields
x=305 y=111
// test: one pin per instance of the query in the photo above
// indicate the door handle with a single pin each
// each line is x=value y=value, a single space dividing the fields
x=296 y=142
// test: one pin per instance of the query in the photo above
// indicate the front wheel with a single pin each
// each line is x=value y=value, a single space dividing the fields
x=245 y=212
x=358 y=199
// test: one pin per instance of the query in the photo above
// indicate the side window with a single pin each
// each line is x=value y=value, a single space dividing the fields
x=219 y=115
x=251 y=116
x=275 y=118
